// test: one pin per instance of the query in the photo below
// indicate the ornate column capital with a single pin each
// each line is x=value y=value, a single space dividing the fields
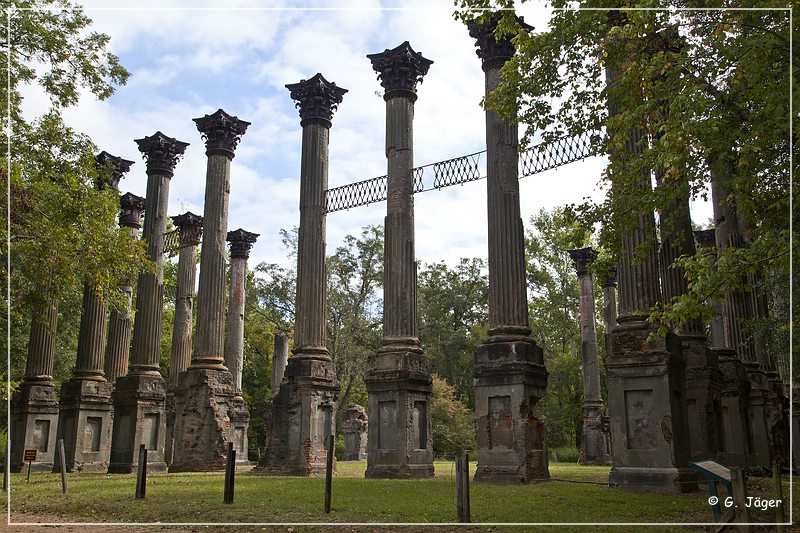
x=492 y=52
x=221 y=132
x=610 y=279
x=706 y=238
x=582 y=257
x=190 y=228
x=399 y=70
x=131 y=209
x=241 y=242
x=118 y=168
x=317 y=99
x=161 y=153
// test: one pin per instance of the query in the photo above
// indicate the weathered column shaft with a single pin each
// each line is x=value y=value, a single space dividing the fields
x=241 y=241
x=400 y=270
x=311 y=294
x=181 y=351
x=120 y=323
x=42 y=344
x=508 y=300
x=146 y=347
x=591 y=371
x=210 y=335
x=91 y=337
x=609 y=306
x=280 y=354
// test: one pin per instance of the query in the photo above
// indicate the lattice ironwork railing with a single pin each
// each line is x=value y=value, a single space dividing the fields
x=172 y=242
x=541 y=157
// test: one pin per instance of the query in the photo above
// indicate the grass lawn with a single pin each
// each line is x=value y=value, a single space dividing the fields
x=575 y=495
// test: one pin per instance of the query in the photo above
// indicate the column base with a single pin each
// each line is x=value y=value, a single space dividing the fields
x=510 y=379
x=240 y=423
x=646 y=398
x=169 y=430
x=303 y=415
x=595 y=445
x=703 y=399
x=399 y=442
x=203 y=427
x=761 y=450
x=777 y=409
x=34 y=421
x=734 y=399
x=139 y=418
x=84 y=422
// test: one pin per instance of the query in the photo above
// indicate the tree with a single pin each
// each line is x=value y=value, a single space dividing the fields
x=453 y=314
x=452 y=422
x=713 y=103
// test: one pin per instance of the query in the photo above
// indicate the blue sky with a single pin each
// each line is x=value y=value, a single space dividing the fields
x=186 y=63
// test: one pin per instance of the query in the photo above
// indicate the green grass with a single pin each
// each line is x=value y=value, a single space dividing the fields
x=197 y=497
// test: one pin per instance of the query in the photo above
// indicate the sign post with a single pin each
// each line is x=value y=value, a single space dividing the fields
x=30 y=456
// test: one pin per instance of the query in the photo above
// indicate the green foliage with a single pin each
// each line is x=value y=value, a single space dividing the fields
x=452 y=422
x=715 y=106
x=453 y=310
x=564 y=454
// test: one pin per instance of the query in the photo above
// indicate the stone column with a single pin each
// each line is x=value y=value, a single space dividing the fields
x=190 y=231
x=121 y=322
x=354 y=429
x=398 y=376
x=34 y=408
x=139 y=397
x=609 y=285
x=204 y=394
x=737 y=317
x=510 y=376
x=304 y=409
x=280 y=354
x=593 y=450
x=85 y=409
x=241 y=241
x=646 y=386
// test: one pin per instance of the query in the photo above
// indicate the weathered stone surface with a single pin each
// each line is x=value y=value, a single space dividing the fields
x=510 y=378
x=84 y=422
x=34 y=420
x=303 y=416
x=354 y=428
x=704 y=383
x=760 y=450
x=203 y=427
x=34 y=409
x=735 y=392
x=139 y=412
x=647 y=400
x=280 y=355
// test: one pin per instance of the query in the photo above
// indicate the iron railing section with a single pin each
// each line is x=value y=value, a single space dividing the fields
x=459 y=170
x=172 y=242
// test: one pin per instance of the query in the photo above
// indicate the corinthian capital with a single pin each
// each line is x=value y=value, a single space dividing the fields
x=399 y=70
x=317 y=99
x=161 y=153
x=222 y=132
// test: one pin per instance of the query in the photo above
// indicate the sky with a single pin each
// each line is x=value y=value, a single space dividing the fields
x=188 y=59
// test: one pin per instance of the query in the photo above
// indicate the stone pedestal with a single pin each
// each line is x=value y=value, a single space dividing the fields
x=649 y=428
x=735 y=394
x=138 y=419
x=510 y=378
x=34 y=419
x=354 y=428
x=204 y=400
x=399 y=443
x=303 y=416
x=85 y=425
x=778 y=418
x=760 y=440
x=795 y=426
x=704 y=384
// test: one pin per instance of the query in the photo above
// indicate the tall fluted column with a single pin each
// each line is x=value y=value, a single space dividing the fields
x=85 y=409
x=593 y=449
x=204 y=393
x=34 y=408
x=398 y=376
x=304 y=410
x=120 y=323
x=609 y=285
x=241 y=242
x=646 y=386
x=190 y=231
x=737 y=317
x=140 y=396
x=280 y=355
x=510 y=376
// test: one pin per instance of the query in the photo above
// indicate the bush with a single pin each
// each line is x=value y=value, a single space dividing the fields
x=452 y=422
x=564 y=454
